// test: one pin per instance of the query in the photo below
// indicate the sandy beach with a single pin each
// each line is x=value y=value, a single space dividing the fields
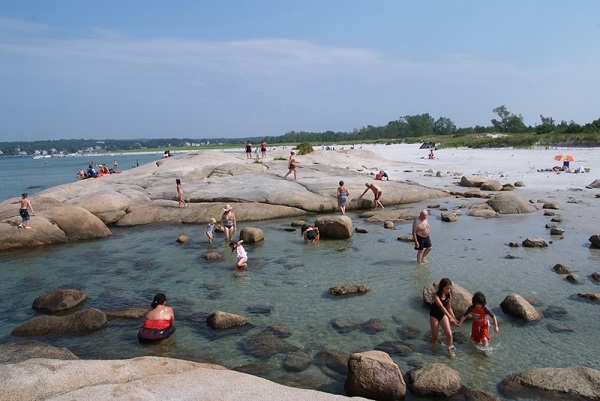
x=507 y=166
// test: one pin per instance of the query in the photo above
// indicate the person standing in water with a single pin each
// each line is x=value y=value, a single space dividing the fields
x=480 y=330
x=228 y=223
x=442 y=315
x=242 y=256
x=420 y=233
x=24 y=211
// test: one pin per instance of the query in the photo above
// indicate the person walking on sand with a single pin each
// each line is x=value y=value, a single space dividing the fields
x=180 y=194
x=242 y=256
x=441 y=314
x=209 y=229
x=376 y=191
x=228 y=222
x=24 y=211
x=291 y=165
x=420 y=233
x=480 y=330
x=342 y=195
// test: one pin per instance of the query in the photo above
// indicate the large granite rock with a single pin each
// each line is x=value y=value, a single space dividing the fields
x=59 y=300
x=510 y=203
x=22 y=351
x=516 y=305
x=571 y=383
x=82 y=321
x=336 y=227
x=374 y=375
x=145 y=378
x=146 y=195
x=434 y=380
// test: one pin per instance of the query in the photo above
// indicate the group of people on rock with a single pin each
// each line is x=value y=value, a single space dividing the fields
x=92 y=173
x=259 y=151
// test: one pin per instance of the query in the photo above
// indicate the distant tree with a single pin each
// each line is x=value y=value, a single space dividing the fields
x=508 y=122
x=420 y=125
x=546 y=126
x=444 y=126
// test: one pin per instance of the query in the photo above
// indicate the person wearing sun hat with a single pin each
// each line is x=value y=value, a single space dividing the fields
x=210 y=227
x=228 y=222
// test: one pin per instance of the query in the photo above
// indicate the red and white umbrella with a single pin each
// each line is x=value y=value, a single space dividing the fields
x=564 y=157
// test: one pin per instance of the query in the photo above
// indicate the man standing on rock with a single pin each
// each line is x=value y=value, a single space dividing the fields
x=420 y=233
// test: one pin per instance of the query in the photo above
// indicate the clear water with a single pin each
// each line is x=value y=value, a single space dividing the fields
x=292 y=279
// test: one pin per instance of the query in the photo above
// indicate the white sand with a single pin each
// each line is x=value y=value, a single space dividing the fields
x=577 y=203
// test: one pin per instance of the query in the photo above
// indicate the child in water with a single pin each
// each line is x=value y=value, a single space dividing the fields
x=242 y=256
x=180 y=194
x=210 y=227
x=480 y=333
x=441 y=314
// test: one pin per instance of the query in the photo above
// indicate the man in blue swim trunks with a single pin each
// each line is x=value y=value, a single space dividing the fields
x=24 y=211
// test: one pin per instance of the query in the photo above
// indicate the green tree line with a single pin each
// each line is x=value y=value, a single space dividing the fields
x=405 y=127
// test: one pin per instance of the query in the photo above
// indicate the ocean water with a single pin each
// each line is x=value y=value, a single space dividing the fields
x=25 y=174
x=287 y=282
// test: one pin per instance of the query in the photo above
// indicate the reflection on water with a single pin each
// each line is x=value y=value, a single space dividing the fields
x=286 y=284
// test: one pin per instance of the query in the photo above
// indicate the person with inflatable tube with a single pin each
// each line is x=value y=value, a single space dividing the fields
x=159 y=323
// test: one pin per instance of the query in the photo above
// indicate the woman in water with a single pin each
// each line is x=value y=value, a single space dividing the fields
x=441 y=314
x=228 y=222
x=161 y=316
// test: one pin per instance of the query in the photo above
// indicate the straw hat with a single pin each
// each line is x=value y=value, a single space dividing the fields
x=213 y=220
x=293 y=152
x=227 y=208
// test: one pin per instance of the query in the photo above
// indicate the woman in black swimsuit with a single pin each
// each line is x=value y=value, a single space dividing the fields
x=441 y=314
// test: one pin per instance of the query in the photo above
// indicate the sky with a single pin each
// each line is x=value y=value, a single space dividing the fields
x=118 y=69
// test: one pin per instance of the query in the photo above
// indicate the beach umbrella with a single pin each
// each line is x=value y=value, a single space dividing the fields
x=563 y=157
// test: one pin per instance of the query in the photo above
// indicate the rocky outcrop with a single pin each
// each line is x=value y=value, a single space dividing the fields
x=534 y=243
x=22 y=351
x=349 y=289
x=148 y=378
x=571 y=383
x=82 y=321
x=374 y=375
x=472 y=180
x=265 y=345
x=224 y=320
x=252 y=235
x=144 y=195
x=59 y=300
x=595 y=240
x=335 y=227
x=516 y=305
x=434 y=380
x=510 y=203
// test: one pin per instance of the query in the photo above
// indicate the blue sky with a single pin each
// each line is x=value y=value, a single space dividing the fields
x=235 y=68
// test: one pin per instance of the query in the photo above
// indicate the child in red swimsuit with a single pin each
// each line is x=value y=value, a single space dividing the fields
x=480 y=331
